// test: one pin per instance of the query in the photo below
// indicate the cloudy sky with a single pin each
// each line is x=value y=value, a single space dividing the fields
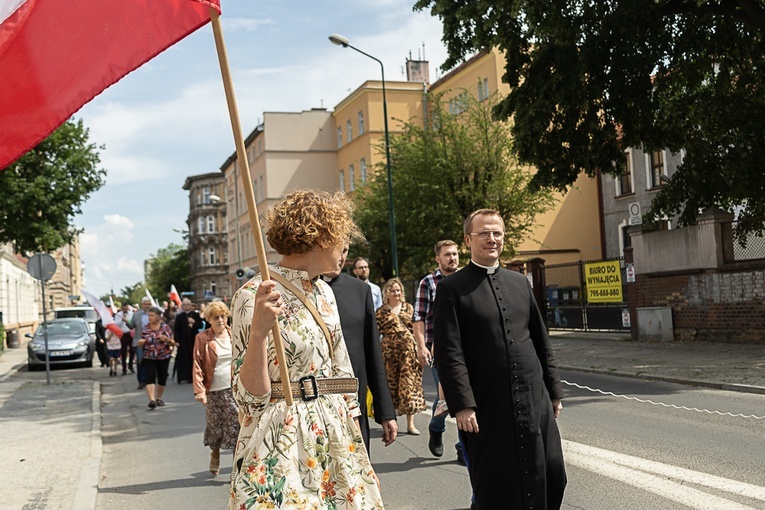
x=168 y=119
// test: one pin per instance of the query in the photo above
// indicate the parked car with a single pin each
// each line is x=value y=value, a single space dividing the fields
x=83 y=312
x=69 y=343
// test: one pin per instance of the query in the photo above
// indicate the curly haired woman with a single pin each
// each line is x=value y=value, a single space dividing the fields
x=310 y=454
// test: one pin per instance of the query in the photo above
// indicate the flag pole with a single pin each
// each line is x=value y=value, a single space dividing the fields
x=249 y=194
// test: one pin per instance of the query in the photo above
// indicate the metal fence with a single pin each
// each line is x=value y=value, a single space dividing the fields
x=566 y=302
x=734 y=250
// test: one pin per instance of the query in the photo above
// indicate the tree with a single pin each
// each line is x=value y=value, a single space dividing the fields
x=441 y=173
x=132 y=294
x=44 y=190
x=592 y=78
x=169 y=266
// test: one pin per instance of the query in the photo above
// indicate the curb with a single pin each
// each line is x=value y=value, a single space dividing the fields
x=90 y=472
x=741 y=388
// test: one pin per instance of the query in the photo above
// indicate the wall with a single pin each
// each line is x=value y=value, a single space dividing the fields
x=710 y=300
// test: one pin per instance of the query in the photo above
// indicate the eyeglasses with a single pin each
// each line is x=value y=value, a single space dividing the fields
x=483 y=236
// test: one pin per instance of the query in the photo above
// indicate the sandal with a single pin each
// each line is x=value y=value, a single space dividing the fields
x=160 y=402
x=214 y=465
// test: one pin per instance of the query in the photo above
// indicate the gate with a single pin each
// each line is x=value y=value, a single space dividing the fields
x=587 y=295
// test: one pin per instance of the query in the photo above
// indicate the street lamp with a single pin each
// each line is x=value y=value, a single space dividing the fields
x=343 y=41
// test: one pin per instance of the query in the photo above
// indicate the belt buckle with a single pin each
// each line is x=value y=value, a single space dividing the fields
x=314 y=386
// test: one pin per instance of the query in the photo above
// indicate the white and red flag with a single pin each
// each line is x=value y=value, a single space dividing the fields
x=56 y=55
x=174 y=296
x=112 y=308
x=153 y=301
x=103 y=311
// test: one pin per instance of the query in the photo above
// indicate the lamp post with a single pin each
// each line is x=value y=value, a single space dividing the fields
x=343 y=41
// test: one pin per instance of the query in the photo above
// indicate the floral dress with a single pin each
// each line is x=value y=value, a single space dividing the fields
x=310 y=455
x=400 y=356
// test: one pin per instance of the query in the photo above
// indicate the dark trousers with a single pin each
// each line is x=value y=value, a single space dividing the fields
x=127 y=350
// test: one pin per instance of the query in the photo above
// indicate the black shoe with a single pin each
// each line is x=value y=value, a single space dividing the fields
x=141 y=386
x=131 y=369
x=160 y=402
x=436 y=443
x=124 y=372
x=152 y=404
x=460 y=455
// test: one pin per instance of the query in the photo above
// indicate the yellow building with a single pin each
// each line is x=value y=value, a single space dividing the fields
x=571 y=230
x=360 y=126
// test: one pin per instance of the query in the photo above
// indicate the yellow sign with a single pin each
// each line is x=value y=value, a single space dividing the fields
x=604 y=282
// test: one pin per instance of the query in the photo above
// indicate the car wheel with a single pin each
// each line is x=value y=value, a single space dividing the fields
x=89 y=363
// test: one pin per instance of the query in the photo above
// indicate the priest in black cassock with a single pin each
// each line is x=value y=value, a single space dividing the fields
x=499 y=376
x=359 y=325
x=188 y=322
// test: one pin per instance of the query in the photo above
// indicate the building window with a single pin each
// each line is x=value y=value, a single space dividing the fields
x=339 y=137
x=255 y=189
x=342 y=180
x=260 y=188
x=210 y=224
x=206 y=195
x=202 y=258
x=260 y=147
x=656 y=168
x=624 y=237
x=349 y=129
x=201 y=225
x=458 y=104
x=213 y=287
x=483 y=89
x=624 y=181
x=361 y=123
x=363 y=165
x=351 y=178
x=212 y=256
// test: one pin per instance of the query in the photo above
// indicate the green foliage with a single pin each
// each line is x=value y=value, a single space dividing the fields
x=442 y=173
x=169 y=266
x=591 y=78
x=44 y=190
x=131 y=294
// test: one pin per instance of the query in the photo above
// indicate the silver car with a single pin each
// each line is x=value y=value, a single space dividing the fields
x=69 y=343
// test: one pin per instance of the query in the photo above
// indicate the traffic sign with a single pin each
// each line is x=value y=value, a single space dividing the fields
x=636 y=215
x=41 y=266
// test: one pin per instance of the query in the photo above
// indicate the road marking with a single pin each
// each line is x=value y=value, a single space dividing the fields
x=662 y=479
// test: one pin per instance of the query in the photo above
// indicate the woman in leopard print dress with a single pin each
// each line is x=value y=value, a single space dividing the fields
x=394 y=319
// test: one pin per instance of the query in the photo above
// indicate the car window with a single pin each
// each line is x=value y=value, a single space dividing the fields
x=85 y=313
x=63 y=328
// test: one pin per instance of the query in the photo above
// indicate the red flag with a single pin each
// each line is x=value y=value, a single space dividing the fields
x=56 y=55
x=174 y=295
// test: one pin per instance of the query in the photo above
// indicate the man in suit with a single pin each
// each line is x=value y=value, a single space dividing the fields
x=499 y=375
x=357 y=320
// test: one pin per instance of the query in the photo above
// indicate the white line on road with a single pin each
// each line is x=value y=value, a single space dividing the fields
x=662 y=479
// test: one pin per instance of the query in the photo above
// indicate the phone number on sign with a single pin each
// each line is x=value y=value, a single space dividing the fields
x=613 y=292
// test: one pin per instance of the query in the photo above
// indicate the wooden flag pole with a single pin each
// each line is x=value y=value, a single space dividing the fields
x=249 y=194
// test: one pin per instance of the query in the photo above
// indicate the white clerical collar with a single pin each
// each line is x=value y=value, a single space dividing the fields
x=489 y=269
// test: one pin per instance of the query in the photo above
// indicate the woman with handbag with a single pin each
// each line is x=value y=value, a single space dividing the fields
x=211 y=377
x=399 y=350
x=309 y=454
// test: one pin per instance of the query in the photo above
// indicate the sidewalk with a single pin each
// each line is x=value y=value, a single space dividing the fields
x=52 y=434
x=733 y=367
x=51 y=438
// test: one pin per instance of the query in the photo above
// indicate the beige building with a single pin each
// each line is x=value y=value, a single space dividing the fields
x=208 y=238
x=288 y=151
x=19 y=294
x=63 y=288
x=571 y=230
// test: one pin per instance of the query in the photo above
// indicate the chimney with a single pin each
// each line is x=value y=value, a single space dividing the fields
x=417 y=70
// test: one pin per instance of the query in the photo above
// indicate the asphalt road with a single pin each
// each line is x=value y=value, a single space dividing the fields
x=651 y=445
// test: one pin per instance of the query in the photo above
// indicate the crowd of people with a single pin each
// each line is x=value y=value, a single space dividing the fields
x=352 y=349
